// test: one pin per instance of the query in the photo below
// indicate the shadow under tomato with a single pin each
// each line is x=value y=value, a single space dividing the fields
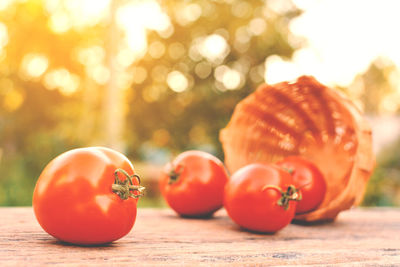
x=236 y=228
x=242 y=229
x=66 y=244
x=198 y=217
x=190 y=217
x=305 y=223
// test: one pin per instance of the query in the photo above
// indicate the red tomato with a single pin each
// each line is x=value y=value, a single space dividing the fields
x=308 y=179
x=193 y=184
x=87 y=196
x=259 y=197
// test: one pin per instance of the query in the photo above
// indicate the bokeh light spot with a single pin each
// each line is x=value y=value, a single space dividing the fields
x=100 y=74
x=203 y=70
x=156 y=49
x=187 y=14
x=34 y=65
x=177 y=81
x=62 y=80
x=159 y=73
x=59 y=22
x=176 y=50
x=241 y=9
x=257 y=26
x=91 y=56
x=161 y=137
x=231 y=79
x=125 y=57
x=12 y=100
x=139 y=74
x=214 y=47
x=153 y=93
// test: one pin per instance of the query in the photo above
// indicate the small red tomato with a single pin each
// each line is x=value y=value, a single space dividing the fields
x=87 y=196
x=308 y=179
x=193 y=184
x=259 y=197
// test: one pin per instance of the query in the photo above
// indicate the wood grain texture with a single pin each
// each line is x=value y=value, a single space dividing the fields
x=360 y=237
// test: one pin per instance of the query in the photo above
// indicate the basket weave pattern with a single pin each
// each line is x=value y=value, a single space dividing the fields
x=309 y=119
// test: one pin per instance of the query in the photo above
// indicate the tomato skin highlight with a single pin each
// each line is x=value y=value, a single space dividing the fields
x=252 y=205
x=199 y=188
x=310 y=181
x=73 y=200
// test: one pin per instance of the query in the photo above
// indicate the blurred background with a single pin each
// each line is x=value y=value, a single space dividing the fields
x=154 y=78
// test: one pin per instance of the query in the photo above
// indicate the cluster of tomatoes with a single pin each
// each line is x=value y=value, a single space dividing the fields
x=89 y=195
x=259 y=197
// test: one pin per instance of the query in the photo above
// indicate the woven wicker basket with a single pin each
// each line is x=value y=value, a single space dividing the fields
x=309 y=119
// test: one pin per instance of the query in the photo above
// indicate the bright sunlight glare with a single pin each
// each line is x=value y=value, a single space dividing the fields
x=343 y=38
x=137 y=17
x=4 y=4
x=75 y=13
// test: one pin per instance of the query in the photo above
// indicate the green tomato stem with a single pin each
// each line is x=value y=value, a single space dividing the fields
x=126 y=189
x=291 y=194
x=174 y=173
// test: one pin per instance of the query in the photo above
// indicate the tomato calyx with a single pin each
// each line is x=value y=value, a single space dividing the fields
x=126 y=189
x=289 y=170
x=291 y=194
x=174 y=173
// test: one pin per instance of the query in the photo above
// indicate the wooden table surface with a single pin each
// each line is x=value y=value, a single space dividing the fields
x=360 y=237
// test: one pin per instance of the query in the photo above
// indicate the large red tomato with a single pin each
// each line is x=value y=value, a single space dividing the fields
x=261 y=198
x=87 y=196
x=193 y=184
x=308 y=179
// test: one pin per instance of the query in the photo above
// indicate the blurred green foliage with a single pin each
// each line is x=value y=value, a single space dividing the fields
x=41 y=116
x=384 y=186
x=39 y=120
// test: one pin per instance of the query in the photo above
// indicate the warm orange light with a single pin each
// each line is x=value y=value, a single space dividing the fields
x=34 y=65
x=61 y=79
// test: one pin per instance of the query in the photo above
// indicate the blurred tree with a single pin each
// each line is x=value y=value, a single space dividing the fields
x=375 y=90
x=153 y=77
x=40 y=104
x=181 y=68
x=213 y=57
x=384 y=187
